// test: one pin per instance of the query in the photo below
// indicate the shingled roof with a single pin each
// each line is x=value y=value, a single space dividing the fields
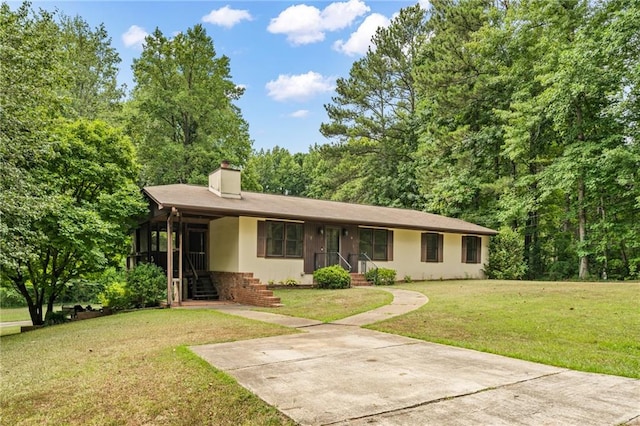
x=199 y=199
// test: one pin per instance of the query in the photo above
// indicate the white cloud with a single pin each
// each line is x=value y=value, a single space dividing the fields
x=299 y=87
x=301 y=113
x=301 y=23
x=425 y=4
x=360 y=40
x=340 y=15
x=227 y=17
x=305 y=24
x=134 y=37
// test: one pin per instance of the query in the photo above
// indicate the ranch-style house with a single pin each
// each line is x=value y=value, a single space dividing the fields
x=219 y=242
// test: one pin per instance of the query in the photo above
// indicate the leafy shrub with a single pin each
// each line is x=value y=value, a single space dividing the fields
x=634 y=268
x=54 y=318
x=146 y=285
x=10 y=298
x=506 y=256
x=561 y=270
x=81 y=290
x=408 y=279
x=616 y=270
x=332 y=277
x=381 y=276
x=115 y=296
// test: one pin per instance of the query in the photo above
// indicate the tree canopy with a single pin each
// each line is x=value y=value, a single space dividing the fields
x=521 y=114
x=68 y=190
x=182 y=116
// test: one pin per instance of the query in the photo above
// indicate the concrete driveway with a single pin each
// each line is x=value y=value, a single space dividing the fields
x=342 y=374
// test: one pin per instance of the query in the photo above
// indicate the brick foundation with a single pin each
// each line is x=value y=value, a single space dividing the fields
x=243 y=287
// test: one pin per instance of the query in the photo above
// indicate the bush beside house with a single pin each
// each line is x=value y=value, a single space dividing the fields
x=506 y=256
x=381 y=276
x=332 y=277
x=145 y=286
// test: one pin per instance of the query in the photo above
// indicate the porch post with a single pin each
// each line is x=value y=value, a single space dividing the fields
x=169 y=257
x=180 y=260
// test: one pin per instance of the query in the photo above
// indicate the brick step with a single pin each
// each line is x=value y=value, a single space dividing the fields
x=271 y=300
x=358 y=280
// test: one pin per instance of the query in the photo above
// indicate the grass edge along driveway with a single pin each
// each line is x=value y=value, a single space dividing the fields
x=129 y=369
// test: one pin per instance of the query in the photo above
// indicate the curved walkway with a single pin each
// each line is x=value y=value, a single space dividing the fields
x=403 y=301
x=341 y=374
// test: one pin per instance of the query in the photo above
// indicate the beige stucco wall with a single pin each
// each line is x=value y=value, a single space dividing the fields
x=223 y=245
x=233 y=247
x=267 y=269
x=406 y=258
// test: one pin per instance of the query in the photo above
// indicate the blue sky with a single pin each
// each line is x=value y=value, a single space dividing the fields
x=287 y=54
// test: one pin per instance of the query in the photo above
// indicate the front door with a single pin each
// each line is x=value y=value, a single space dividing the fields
x=332 y=245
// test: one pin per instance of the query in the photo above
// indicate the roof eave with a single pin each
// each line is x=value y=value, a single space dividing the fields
x=253 y=213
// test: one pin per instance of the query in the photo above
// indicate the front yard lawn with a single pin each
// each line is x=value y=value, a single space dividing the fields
x=591 y=327
x=129 y=369
x=328 y=305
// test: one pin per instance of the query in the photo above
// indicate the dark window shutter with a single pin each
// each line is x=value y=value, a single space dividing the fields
x=478 y=249
x=309 y=248
x=464 y=249
x=389 y=245
x=262 y=232
x=440 y=247
x=423 y=247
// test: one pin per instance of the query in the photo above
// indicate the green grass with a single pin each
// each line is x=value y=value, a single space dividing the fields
x=22 y=314
x=129 y=369
x=5 y=331
x=328 y=305
x=14 y=314
x=591 y=327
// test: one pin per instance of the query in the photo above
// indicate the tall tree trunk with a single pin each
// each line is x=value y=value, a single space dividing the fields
x=583 y=272
x=532 y=246
x=35 y=312
x=605 y=265
x=50 y=301
x=35 y=308
x=531 y=237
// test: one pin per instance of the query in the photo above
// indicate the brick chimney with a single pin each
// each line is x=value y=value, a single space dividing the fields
x=225 y=182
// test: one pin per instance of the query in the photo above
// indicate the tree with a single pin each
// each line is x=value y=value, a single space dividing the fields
x=373 y=117
x=66 y=188
x=581 y=76
x=89 y=184
x=92 y=64
x=462 y=172
x=182 y=115
x=30 y=75
x=506 y=256
x=279 y=172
